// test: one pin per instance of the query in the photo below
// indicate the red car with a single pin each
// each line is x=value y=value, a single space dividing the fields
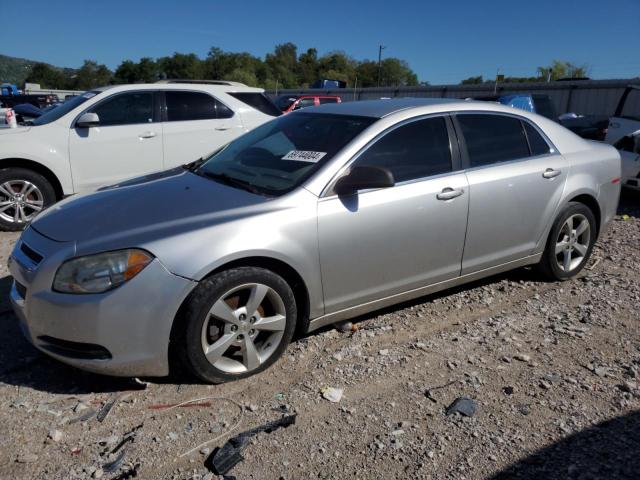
x=289 y=103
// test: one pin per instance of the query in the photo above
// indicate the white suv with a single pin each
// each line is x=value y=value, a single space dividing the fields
x=113 y=133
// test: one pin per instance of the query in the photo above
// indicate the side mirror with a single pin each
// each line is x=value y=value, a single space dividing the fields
x=88 y=120
x=363 y=177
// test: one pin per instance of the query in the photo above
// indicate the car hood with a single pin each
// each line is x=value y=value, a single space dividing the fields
x=160 y=204
x=4 y=130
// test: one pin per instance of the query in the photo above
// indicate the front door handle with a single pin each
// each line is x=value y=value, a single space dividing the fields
x=222 y=129
x=449 y=193
x=147 y=135
x=551 y=173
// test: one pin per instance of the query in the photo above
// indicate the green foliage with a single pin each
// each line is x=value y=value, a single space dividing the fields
x=563 y=69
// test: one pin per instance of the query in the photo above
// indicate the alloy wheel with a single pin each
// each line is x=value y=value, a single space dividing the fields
x=244 y=328
x=20 y=201
x=573 y=242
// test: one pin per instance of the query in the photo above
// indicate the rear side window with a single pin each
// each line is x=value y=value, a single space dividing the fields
x=183 y=106
x=327 y=100
x=416 y=150
x=259 y=101
x=538 y=145
x=493 y=138
x=126 y=109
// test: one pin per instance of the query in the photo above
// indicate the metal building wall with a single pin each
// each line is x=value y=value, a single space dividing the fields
x=586 y=97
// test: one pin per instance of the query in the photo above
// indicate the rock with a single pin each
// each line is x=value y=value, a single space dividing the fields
x=384 y=352
x=27 y=458
x=545 y=385
x=173 y=436
x=344 y=327
x=56 y=435
x=205 y=450
x=628 y=386
x=98 y=473
x=337 y=356
x=462 y=405
x=522 y=357
x=252 y=408
x=334 y=395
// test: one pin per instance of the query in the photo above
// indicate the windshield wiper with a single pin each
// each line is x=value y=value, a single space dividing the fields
x=232 y=181
x=192 y=166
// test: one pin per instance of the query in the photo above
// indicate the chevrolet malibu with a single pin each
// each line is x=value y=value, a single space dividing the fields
x=313 y=218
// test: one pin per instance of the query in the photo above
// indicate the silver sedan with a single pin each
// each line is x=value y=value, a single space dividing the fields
x=311 y=219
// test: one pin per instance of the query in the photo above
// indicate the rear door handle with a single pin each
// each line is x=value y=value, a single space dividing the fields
x=449 y=193
x=147 y=135
x=222 y=129
x=551 y=173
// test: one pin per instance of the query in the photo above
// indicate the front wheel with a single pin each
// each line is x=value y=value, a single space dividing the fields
x=238 y=323
x=570 y=242
x=23 y=194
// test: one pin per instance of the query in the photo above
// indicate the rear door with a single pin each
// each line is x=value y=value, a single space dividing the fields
x=626 y=119
x=127 y=143
x=380 y=242
x=515 y=181
x=195 y=124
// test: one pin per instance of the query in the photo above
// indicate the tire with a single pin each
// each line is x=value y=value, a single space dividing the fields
x=577 y=245
x=23 y=194
x=238 y=347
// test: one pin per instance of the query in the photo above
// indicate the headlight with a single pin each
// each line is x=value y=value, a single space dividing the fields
x=101 y=272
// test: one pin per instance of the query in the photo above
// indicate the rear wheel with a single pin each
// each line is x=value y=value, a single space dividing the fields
x=238 y=323
x=23 y=194
x=570 y=242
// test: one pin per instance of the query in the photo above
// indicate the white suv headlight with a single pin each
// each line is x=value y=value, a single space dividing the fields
x=100 y=273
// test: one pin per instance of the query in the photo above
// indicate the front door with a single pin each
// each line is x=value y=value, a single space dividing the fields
x=127 y=142
x=515 y=184
x=381 y=242
x=196 y=125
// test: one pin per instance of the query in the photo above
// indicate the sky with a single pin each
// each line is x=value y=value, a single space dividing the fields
x=443 y=41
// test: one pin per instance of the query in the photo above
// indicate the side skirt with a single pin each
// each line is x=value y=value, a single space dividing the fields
x=418 y=292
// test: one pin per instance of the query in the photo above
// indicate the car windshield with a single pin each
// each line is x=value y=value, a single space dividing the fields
x=63 y=109
x=279 y=155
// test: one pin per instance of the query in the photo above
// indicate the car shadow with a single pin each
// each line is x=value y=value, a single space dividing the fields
x=23 y=365
x=629 y=203
x=608 y=450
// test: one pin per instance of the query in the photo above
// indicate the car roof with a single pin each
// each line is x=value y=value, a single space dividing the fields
x=383 y=108
x=224 y=87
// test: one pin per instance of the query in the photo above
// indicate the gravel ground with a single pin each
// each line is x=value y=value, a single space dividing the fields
x=553 y=369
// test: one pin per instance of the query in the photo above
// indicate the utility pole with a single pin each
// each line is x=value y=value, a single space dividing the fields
x=380 y=48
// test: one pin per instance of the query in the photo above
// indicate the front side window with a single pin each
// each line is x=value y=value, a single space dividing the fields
x=61 y=110
x=182 y=106
x=324 y=100
x=493 y=138
x=126 y=109
x=416 y=150
x=278 y=156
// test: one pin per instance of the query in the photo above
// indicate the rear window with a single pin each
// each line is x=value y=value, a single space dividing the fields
x=493 y=138
x=631 y=107
x=538 y=145
x=257 y=100
x=545 y=107
x=328 y=100
x=183 y=106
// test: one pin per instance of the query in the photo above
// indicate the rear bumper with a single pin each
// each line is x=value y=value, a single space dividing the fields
x=124 y=332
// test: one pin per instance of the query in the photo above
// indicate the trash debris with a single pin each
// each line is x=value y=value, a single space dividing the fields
x=508 y=390
x=104 y=411
x=166 y=406
x=115 y=465
x=279 y=396
x=84 y=417
x=346 y=327
x=223 y=459
x=462 y=405
x=429 y=391
x=76 y=451
x=27 y=458
x=334 y=395
x=625 y=217
x=522 y=357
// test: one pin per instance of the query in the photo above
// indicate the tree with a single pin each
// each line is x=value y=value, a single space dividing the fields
x=91 y=75
x=308 y=67
x=180 y=65
x=472 y=80
x=282 y=64
x=47 y=76
x=563 y=69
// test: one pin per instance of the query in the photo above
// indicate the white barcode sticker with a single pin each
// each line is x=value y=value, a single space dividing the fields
x=304 y=156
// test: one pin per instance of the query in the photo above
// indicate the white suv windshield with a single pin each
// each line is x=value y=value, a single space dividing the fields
x=279 y=155
x=66 y=107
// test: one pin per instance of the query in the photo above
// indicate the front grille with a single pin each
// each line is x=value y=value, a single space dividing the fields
x=21 y=289
x=79 y=350
x=30 y=253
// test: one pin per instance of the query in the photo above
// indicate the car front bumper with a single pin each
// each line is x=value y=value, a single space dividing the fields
x=123 y=332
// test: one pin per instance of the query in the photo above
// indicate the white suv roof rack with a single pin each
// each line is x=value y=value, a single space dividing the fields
x=206 y=82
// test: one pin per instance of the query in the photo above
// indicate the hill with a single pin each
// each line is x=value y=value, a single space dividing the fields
x=15 y=70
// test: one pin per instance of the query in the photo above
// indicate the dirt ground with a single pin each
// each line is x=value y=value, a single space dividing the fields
x=553 y=369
